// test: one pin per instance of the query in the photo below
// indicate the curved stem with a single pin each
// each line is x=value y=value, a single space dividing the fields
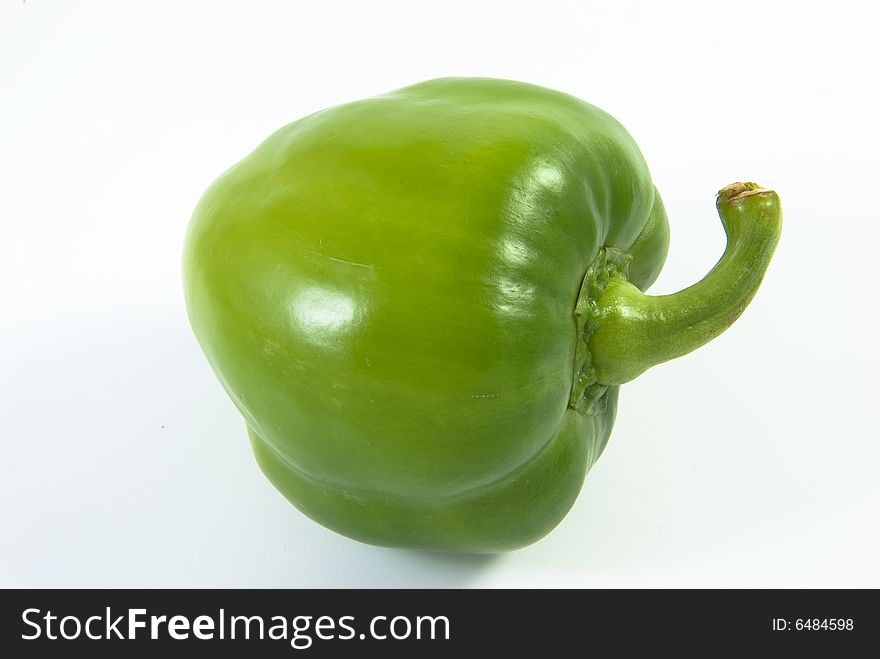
x=635 y=331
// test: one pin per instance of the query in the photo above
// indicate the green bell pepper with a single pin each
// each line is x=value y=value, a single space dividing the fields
x=424 y=303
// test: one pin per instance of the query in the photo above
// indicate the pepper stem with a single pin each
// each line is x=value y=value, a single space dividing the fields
x=635 y=331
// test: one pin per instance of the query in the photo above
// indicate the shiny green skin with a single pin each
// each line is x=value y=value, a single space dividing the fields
x=386 y=291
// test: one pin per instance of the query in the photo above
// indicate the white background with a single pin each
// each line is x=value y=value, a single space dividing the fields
x=752 y=462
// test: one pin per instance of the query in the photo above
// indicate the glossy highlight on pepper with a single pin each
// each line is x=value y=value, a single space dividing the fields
x=424 y=303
